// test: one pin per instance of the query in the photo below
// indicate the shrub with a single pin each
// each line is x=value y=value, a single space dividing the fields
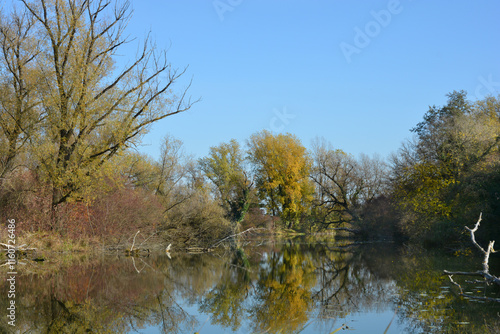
x=199 y=221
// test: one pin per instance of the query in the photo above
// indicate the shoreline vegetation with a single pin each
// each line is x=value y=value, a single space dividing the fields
x=42 y=245
x=71 y=179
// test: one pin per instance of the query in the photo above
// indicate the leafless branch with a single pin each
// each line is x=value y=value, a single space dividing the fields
x=488 y=278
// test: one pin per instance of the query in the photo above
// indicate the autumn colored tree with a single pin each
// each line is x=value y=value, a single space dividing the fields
x=94 y=109
x=225 y=168
x=282 y=167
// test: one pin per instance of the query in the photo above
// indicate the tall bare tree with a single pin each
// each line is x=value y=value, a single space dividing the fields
x=95 y=110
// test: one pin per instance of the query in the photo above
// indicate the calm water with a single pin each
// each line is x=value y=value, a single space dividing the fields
x=270 y=286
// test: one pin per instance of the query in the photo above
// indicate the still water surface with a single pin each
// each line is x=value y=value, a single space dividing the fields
x=268 y=286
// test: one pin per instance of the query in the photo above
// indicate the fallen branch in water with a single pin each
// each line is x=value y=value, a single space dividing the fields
x=488 y=278
x=153 y=234
x=485 y=273
x=197 y=250
x=21 y=248
x=235 y=235
x=471 y=296
x=218 y=243
x=138 y=271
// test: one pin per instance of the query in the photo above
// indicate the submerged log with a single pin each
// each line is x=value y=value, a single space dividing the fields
x=198 y=250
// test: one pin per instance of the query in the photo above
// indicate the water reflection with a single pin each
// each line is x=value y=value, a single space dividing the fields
x=283 y=290
x=264 y=287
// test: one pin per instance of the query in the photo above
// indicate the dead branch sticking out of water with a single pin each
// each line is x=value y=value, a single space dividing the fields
x=135 y=252
x=133 y=242
x=251 y=229
x=218 y=243
x=485 y=273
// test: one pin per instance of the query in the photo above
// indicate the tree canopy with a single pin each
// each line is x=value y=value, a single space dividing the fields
x=282 y=167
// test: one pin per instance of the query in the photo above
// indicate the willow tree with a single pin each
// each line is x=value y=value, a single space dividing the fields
x=94 y=109
x=282 y=166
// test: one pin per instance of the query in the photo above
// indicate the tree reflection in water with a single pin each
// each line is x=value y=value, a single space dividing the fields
x=275 y=287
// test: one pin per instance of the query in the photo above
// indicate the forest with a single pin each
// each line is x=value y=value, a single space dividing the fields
x=71 y=120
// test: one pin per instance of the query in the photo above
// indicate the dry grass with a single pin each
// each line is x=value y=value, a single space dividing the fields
x=53 y=242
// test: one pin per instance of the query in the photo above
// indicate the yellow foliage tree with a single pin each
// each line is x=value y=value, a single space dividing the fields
x=283 y=292
x=282 y=167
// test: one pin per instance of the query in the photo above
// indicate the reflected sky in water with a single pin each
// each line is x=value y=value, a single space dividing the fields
x=263 y=286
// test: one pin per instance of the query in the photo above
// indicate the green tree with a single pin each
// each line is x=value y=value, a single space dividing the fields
x=458 y=135
x=282 y=167
x=438 y=179
x=225 y=168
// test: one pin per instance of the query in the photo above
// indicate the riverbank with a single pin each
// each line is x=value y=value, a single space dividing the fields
x=53 y=243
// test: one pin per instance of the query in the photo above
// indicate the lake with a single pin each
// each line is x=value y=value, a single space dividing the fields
x=300 y=285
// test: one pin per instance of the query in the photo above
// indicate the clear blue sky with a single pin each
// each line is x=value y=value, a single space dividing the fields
x=358 y=73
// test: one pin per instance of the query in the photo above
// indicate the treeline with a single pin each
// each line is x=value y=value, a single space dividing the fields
x=435 y=184
x=70 y=119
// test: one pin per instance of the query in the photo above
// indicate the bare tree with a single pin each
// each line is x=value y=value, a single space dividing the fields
x=173 y=169
x=343 y=183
